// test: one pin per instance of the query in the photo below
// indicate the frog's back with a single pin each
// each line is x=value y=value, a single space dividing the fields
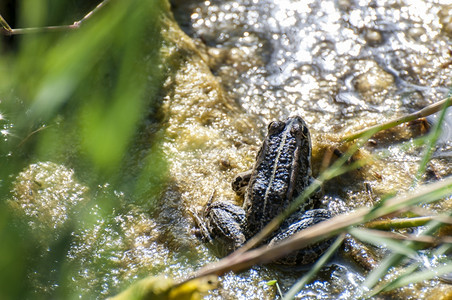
x=281 y=172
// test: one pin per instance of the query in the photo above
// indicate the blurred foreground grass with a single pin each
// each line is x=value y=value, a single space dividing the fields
x=75 y=98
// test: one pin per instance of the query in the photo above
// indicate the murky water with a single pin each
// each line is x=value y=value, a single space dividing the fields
x=330 y=61
x=341 y=65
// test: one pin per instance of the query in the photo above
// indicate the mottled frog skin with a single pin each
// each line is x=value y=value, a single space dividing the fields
x=281 y=172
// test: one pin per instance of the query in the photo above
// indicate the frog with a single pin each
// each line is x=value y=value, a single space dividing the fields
x=281 y=172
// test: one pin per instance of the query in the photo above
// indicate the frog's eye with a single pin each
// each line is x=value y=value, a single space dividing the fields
x=305 y=131
x=299 y=130
x=295 y=129
x=275 y=126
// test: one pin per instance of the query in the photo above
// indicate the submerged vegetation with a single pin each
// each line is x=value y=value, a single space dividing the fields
x=85 y=180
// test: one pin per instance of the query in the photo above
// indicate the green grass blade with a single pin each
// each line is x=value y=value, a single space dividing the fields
x=314 y=270
x=383 y=287
x=420 y=276
x=395 y=258
x=433 y=138
x=396 y=246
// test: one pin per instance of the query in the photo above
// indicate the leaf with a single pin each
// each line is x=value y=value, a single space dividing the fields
x=271 y=282
x=162 y=288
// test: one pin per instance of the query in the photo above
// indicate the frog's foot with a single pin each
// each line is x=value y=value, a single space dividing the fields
x=240 y=182
x=201 y=231
x=225 y=222
x=298 y=222
x=360 y=253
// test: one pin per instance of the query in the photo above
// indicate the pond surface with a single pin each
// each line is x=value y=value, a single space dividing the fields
x=341 y=65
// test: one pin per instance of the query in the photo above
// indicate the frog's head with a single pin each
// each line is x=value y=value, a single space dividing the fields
x=295 y=125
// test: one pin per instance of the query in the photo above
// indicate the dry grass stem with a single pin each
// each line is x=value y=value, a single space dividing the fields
x=426 y=111
x=7 y=30
x=409 y=237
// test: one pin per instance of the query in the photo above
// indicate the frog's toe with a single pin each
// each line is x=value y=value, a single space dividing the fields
x=201 y=230
x=240 y=182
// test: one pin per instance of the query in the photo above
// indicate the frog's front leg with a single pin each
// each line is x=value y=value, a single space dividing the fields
x=225 y=222
x=297 y=222
x=240 y=182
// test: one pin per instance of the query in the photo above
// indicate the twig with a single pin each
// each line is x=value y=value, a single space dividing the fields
x=8 y=31
x=32 y=133
x=426 y=111
x=5 y=26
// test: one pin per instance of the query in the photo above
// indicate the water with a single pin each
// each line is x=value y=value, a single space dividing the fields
x=341 y=65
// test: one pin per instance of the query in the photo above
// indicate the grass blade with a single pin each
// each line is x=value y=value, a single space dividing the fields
x=314 y=270
x=426 y=111
x=419 y=276
x=368 y=236
x=432 y=139
x=393 y=259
